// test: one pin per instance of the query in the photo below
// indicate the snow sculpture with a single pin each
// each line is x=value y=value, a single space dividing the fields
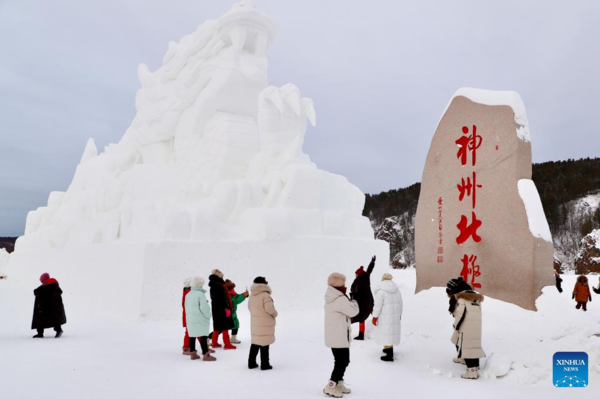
x=211 y=173
x=479 y=214
x=213 y=153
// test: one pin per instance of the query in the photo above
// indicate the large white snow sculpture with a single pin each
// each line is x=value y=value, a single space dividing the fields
x=213 y=154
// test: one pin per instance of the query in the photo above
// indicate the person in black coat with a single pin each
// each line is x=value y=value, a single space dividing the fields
x=222 y=310
x=361 y=292
x=48 y=310
x=558 y=281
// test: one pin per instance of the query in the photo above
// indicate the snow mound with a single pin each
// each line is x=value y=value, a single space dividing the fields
x=538 y=224
x=4 y=258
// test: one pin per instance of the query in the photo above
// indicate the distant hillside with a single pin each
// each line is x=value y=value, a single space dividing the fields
x=8 y=243
x=567 y=189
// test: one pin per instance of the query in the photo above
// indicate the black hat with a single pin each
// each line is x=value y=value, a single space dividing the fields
x=457 y=285
x=260 y=280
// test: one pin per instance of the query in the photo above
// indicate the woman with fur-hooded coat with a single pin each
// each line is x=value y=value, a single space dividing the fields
x=581 y=292
x=465 y=306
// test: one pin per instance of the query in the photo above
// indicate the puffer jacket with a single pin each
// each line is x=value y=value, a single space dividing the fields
x=339 y=309
x=388 y=310
x=197 y=313
x=581 y=292
x=467 y=325
x=262 y=314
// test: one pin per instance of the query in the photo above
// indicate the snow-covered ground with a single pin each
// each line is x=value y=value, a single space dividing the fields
x=142 y=359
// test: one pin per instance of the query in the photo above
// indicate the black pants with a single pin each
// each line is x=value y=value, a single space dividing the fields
x=203 y=344
x=580 y=304
x=57 y=329
x=472 y=363
x=264 y=355
x=341 y=361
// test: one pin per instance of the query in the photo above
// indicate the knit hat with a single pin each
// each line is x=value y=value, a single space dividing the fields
x=44 y=277
x=260 y=280
x=387 y=276
x=336 y=280
x=457 y=285
x=197 y=282
x=217 y=273
x=360 y=271
x=187 y=282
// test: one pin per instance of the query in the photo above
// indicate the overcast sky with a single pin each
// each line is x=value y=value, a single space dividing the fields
x=380 y=73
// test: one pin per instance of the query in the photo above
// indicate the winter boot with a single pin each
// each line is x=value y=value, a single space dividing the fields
x=342 y=387
x=186 y=351
x=38 y=335
x=471 y=373
x=226 y=341
x=331 y=390
x=215 y=340
x=252 y=356
x=360 y=336
x=194 y=355
x=459 y=360
x=234 y=340
x=208 y=358
x=389 y=355
x=58 y=334
x=265 y=364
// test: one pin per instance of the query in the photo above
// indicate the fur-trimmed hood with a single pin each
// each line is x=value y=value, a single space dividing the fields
x=583 y=280
x=260 y=288
x=470 y=296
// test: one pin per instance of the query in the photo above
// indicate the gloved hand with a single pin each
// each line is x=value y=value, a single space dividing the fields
x=573 y=297
x=375 y=321
x=374 y=258
x=590 y=298
x=227 y=313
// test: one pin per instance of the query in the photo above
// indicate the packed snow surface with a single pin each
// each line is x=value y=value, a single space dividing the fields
x=142 y=359
x=536 y=218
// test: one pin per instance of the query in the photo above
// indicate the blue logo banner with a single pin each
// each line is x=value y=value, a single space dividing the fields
x=570 y=369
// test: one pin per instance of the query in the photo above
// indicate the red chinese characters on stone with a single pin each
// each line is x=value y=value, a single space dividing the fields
x=470 y=269
x=468 y=144
x=470 y=230
x=469 y=188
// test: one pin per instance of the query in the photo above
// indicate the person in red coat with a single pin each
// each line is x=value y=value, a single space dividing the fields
x=581 y=292
x=48 y=310
x=186 y=339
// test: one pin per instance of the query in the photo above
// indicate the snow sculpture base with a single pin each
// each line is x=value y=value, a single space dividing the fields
x=131 y=281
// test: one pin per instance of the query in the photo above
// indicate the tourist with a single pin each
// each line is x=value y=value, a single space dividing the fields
x=597 y=290
x=187 y=283
x=581 y=293
x=236 y=299
x=387 y=313
x=360 y=291
x=48 y=310
x=222 y=309
x=339 y=309
x=558 y=281
x=197 y=313
x=465 y=306
x=262 y=325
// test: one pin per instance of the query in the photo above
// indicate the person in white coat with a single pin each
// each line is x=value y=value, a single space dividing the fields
x=387 y=315
x=339 y=310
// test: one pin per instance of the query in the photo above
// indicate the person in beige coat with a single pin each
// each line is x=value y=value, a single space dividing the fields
x=262 y=325
x=339 y=310
x=466 y=310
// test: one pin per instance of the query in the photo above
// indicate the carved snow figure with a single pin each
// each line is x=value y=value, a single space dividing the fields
x=213 y=154
x=479 y=214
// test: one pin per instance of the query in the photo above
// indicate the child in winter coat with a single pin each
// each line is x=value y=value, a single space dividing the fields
x=339 y=310
x=465 y=306
x=236 y=299
x=360 y=291
x=222 y=309
x=48 y=309
x=197 y=314
x=262 y=325
x=386 y=316
x=581 y=292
